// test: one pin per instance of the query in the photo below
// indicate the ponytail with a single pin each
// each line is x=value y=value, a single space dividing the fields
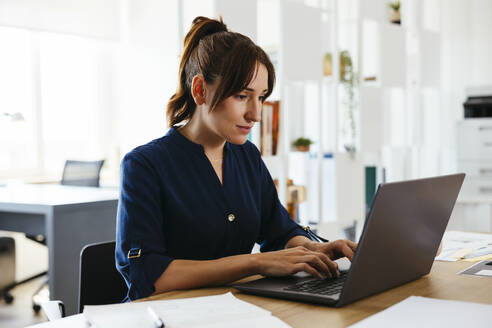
x=181 y=106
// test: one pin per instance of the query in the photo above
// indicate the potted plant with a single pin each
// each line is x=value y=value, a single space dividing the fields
x=302 y=144
x=395 y=16
x=349 y=81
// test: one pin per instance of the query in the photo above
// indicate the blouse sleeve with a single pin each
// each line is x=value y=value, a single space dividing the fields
x=140 y=244
x=277 y=227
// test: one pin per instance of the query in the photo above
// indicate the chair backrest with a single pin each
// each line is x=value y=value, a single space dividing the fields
x=82 y=173
x=100 y=282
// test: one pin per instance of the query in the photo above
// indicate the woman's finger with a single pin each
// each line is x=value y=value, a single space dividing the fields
x=352 y=245
x=347 y=251
x=303 y=266
x=315 y=261
x=333 y=266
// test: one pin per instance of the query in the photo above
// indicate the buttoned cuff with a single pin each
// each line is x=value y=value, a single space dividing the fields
x=144 y=272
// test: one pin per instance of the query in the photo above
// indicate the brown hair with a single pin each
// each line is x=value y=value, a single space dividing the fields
x=211 y=50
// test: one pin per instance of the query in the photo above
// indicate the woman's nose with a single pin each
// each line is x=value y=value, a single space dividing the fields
x=254 y=112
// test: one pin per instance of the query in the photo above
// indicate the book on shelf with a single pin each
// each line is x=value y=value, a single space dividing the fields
x=265 y=134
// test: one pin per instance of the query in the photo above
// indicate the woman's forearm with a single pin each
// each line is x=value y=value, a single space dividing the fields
x=186 y=274
x=298 y=241
x=296 y=257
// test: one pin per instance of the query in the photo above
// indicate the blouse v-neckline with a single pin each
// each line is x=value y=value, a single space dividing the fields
x=199 y=150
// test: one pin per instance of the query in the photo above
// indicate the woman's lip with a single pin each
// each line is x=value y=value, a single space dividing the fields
x=246 y=129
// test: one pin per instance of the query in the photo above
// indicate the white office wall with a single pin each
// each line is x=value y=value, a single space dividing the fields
x=17 y=138
x=75 y=96
x=65 y=83
x=481 y=41
x=94 y=18
x=239 y=15
x=191 y=9
x=301 y=32
x=467 y=45
x=148 y=70
x=268 y=19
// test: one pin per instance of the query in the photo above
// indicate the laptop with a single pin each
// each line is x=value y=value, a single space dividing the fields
x=398 y=244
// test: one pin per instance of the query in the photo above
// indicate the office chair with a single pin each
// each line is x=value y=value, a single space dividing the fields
x=75 y=173
x=7 y=263
x=99 y=280
x=82 y=173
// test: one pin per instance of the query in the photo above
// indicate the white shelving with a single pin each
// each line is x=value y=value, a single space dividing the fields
x=301 y=42
x=403 y=62
x=475 y=156
x=233 y=13
x=393 y=53
x=474 y=207
x=430 y=50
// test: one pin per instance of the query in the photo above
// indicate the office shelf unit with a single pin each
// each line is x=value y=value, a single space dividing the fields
x=475 y=156
x=396 y=88
x=473 y=210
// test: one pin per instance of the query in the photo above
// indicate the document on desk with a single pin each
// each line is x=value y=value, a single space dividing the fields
x=73 y=321
x=423 y=312
x=209 y=311
x=458 y=245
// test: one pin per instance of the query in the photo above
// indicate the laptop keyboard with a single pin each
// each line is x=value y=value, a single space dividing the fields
x=320 y=286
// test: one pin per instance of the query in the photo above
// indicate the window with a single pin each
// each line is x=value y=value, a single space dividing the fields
x=53 y=99
x=18 y=141
x=72 y=98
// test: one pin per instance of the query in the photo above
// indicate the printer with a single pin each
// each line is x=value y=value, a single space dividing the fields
x=479 y=102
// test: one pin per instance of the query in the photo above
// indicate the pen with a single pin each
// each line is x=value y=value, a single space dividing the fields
x=158 y=323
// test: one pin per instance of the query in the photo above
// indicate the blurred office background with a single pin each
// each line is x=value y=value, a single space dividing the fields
x=379 y=86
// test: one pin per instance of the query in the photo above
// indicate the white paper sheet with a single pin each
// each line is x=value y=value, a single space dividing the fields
x=456 y=244
x=210 y=311
x=73 y=321
x=484 y=273
x=423 y=312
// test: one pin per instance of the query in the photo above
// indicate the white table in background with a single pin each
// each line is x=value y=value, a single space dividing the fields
x=69 y=217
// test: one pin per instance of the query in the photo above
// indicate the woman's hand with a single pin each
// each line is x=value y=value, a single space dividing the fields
x=335 y=249
x=292 y=260
x=302 y=254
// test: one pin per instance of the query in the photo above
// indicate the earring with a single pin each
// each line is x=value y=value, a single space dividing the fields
x=199 y=90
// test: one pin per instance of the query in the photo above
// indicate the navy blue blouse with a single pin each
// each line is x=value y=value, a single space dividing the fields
x=173 y=206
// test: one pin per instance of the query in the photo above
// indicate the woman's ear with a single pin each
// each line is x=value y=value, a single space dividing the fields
x=198 y=89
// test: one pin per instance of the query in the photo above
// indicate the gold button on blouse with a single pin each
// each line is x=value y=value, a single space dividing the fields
x=231 y=217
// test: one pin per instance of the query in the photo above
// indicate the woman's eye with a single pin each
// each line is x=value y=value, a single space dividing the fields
x=241 y=97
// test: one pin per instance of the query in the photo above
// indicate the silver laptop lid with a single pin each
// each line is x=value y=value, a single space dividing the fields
x=401 y=234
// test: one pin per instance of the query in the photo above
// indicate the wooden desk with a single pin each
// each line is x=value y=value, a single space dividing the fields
x=441 y=283
x=70 y=218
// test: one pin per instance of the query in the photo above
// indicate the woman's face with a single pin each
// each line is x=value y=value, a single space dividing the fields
x=233 y=118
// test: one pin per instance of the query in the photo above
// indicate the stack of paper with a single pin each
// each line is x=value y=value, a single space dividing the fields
x=222 y=311
x=73 y=321
x=209 y=311
x=425 y=312
x=465 y=245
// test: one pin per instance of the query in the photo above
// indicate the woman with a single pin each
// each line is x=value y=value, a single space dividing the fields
x=194 y=202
